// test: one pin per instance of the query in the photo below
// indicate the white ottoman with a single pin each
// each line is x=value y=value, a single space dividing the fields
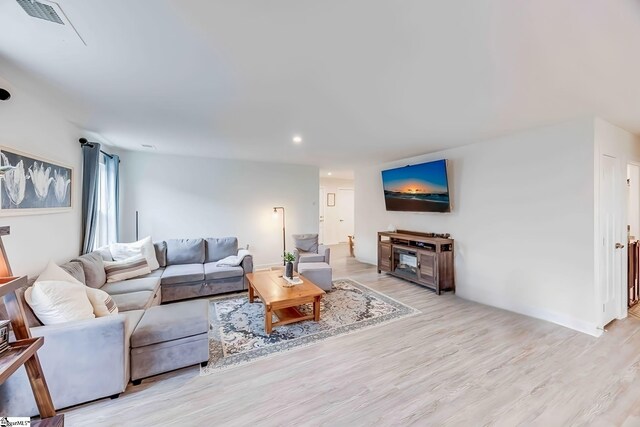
x=319 y=273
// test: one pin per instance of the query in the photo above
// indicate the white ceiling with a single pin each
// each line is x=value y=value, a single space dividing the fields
x=336 y=174
x=360 y=80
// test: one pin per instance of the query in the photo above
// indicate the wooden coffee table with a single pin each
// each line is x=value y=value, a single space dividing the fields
x=282 y=301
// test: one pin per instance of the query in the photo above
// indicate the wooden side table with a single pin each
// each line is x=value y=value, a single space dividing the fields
x=23 y=351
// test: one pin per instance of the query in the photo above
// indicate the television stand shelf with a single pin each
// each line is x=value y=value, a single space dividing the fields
x=425 y=259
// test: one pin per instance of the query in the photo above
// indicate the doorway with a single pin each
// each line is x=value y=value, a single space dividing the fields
x=321 y=203
x=633 y=242
x=612 y=265
x=345 y=202
x=337 y=209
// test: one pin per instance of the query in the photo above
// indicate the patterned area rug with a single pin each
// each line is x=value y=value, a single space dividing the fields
x=237 y=336
x=635 y=311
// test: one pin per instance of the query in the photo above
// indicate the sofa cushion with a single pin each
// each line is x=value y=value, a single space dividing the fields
x=185 y=251
x=182 y=273
x=222 y=247
x=132 y=319
x=310 y=257
x=155 y=273
x=74 y=268
x=132 y=285
x=161 y=253
x=93 y=267
x=134 y=300
x=306 y=242
x=213 y=271
x=171 y=322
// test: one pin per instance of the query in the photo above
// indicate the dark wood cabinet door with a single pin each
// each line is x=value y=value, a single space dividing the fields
x=384 y=257
x=427 y=271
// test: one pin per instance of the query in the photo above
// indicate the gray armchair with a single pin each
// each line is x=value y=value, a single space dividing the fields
x=307 y=249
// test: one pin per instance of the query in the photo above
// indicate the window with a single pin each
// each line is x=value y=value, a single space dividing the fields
x=106 y=227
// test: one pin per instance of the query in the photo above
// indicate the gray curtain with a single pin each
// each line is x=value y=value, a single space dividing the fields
x=112 y=187
x=90 y=179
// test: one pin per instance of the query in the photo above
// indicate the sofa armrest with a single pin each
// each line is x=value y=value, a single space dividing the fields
x=82 y=361
x=326 y=251
x=296 y=261
x=247 y=266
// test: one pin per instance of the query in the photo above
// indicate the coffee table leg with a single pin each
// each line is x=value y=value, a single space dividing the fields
x=250 y=293
x=268 y=316
x=316 y=309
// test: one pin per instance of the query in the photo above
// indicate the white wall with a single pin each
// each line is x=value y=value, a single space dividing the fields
x=187 y=197
x=34 y=128
x=522 y=219
x=332 y=213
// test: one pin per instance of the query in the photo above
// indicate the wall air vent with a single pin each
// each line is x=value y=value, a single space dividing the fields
x=40 y=10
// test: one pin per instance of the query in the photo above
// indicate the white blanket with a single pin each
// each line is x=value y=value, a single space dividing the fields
x=233 y=260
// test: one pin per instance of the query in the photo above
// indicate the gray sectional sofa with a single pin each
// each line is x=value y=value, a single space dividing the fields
x=96 y=358
x=190 y=270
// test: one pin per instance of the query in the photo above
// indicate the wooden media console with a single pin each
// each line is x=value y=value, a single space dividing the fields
x=417 y=257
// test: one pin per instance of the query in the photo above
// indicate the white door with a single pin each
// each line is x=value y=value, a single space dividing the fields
x=323 y=198
x=611 y=232
x=346 y=211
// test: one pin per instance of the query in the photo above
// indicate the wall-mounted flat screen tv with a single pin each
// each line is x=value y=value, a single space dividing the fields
x=417 y=188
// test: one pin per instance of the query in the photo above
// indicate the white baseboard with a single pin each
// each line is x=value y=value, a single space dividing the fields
x=259 y=267
x=531 y=311
x=486 y=298
x=366 y=260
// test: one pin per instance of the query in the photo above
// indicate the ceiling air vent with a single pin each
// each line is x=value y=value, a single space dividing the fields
x=148 y=147
x=40 y=10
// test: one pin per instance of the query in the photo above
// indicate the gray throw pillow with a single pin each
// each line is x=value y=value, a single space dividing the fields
x=306 y=242
x=221 y=247
x=75 y=269
x=93 y=267
x=185 y=251
x=161 y=253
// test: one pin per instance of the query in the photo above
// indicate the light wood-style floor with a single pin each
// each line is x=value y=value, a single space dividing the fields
x=456 y=363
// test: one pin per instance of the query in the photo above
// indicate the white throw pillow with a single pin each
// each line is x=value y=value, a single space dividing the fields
x=55 y=301
x=103 y=304
x=122 y=251
x=234 y=260
x=55 y=273
x=126 y=268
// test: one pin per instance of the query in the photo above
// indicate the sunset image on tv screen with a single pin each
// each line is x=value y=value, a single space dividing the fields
x=417 y=188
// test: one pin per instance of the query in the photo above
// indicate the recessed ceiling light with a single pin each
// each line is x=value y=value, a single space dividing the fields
x=297 y=139
x=329 y=173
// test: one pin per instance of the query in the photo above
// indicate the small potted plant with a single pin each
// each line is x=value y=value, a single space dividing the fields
x=288 y=266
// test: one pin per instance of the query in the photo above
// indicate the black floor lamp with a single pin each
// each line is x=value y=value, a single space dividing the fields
x=284 y=233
